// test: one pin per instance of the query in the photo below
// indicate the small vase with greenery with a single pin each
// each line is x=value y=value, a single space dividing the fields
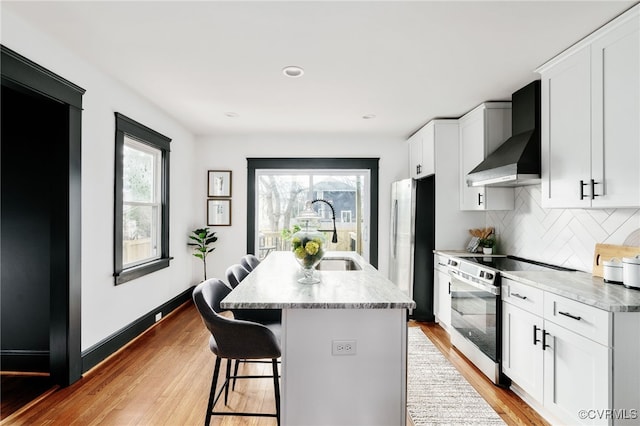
x=488 y=243
x=203 y=239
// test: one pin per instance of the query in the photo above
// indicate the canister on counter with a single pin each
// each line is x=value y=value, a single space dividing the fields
x=612 y=271
x=631 y=272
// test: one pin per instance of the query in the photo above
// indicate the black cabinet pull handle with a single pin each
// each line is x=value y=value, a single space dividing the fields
x=519 y=296
x=479 y=199
x=449 y=287
x=544 y=340
x=535 y=334
x=567 y=314
x=582 y=185
x=593 y=189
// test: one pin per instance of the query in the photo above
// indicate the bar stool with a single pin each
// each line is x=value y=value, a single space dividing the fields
x=235 y=274
x=249 y=262
x=235 y=339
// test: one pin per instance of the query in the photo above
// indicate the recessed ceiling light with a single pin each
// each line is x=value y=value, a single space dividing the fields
x=369 y=116
x=293 y=71
x=231 y=114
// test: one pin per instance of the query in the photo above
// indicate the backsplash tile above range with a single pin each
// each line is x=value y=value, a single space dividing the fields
x=565 y=237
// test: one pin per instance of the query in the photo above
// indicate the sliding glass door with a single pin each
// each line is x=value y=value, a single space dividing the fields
x=278 y=195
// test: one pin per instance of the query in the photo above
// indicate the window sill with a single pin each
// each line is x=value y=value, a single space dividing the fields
x=141 y=270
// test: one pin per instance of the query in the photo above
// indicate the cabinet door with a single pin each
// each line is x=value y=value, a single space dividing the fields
x=472 y=152
x=481 y=132
x=522 y=355
x=415 y=155
x=566 y=132
x=443 y=299
x=576 y=375
x=428 y=149
x=615 y=150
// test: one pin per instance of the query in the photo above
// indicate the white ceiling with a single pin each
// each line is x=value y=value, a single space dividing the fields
x=405 y=62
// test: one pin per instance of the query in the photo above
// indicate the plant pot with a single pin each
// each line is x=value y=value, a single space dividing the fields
x=487 y=250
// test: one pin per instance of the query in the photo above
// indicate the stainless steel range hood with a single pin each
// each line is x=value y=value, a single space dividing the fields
x=517 y=161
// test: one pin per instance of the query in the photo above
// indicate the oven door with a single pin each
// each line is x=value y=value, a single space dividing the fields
x=474 y=308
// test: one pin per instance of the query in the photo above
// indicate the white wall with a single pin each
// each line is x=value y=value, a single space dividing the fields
x=231 y=153
x=106 y=308
x=564 y=237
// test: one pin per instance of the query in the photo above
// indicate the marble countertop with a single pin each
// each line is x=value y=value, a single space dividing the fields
x=582 y=287
x=579 y=286
x=273 y=284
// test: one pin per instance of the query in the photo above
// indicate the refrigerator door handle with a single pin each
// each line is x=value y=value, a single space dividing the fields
x=395 y=228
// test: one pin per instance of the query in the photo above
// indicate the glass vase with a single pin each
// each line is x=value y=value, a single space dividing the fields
x=308 y=248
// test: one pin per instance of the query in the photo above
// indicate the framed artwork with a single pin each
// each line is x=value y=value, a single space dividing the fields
x=219 y=212
x=219 y=183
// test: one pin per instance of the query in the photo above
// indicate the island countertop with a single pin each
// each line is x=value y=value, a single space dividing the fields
x=273 y=284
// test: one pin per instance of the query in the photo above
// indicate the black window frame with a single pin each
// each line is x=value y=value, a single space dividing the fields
x=371 y=164
x=143 y=134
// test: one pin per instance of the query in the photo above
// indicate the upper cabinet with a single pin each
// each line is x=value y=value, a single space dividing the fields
x=482 y=130
x=421 y=152
x=591 y=120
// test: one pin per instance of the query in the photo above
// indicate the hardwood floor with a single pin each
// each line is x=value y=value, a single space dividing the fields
x=17 y=390
x=163 y=377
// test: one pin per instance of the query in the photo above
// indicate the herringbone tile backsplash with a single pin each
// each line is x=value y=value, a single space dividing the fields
x=565 y=237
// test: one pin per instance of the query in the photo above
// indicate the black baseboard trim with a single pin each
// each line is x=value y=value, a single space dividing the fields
x=31 y=361
x=101 y=350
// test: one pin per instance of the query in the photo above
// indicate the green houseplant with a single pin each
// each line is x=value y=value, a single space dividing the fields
x=487 y=243
x=202 y=239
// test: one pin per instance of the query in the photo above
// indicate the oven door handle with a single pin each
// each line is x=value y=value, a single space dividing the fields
x=495 y=290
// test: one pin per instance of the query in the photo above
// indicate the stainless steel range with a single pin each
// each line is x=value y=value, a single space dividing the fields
x=476 y=316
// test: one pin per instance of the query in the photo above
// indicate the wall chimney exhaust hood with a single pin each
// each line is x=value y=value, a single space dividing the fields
x=517 y=161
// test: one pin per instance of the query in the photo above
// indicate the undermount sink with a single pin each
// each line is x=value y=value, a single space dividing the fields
x=338 y=264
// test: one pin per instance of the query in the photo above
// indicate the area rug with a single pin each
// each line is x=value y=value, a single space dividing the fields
x=437 y=394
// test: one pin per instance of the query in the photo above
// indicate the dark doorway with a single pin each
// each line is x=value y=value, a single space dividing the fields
x=33 y=129
x=40 y=221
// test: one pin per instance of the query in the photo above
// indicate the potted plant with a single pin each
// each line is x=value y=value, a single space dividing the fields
x=202 y=240
x=488 y=244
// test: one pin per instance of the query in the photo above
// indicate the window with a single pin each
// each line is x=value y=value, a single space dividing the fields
x=141 y=200
x=278 y=189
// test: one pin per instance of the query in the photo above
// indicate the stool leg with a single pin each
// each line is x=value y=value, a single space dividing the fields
x=212 y=393
x=235 y=373
x=226 y=383
x=276 y=388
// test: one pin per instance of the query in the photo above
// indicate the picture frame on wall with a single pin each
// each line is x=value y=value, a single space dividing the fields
x=219 y=183
x=219 y=212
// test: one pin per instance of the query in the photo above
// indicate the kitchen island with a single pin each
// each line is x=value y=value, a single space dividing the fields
x=344 y=340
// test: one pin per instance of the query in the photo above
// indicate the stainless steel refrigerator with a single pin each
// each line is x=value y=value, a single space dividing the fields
x=413 y=237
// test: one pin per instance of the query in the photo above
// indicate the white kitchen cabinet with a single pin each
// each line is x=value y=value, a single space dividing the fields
x=615 y=115
x=564 y=356
x=482 y=130
x=521 y=361
x=576 y=374
x=415 y=155
x=566 y=132
x=421 y=152
x=442 y=292
x=591 y=120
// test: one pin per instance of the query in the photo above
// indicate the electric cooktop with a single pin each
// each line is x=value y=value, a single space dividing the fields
x=513 y=263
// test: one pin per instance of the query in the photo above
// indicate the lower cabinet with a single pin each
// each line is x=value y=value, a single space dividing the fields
x=555 y=352
x=442 y=298
x=522 y=356
x=576 y=375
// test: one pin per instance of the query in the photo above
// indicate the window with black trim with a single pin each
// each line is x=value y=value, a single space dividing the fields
x=258 y=241
x=141 y=214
